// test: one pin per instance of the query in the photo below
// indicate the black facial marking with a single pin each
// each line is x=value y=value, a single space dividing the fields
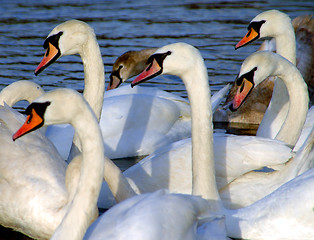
x=256 y=26
x=159 y=57
x=39 y=108
x=117 y=75
x=248 y=76
x=54 y=40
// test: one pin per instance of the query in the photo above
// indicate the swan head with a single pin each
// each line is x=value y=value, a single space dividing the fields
x=54 y=107
x=128 y=65
x=255 y=69
x=174 y=59
x=266 y=24
x=65 y=39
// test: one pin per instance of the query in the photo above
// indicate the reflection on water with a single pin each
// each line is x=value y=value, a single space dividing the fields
x=212 y=26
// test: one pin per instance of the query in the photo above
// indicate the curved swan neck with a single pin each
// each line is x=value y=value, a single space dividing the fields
x=203 y=169
x=117 y=183
x=80 y=211
x=20 y=90
x=299 y=102
x=94 y=77
x=94 y=73
x=286 y=44
x=277 y=110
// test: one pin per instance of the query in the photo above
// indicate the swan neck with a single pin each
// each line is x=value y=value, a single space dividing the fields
x=276 y=113
x=81 y=210
x=94 y=75
x=299 y=102
x=286 y=44
x=203 y=169
x=117 y=183
x=18 y=91
x=94 y=89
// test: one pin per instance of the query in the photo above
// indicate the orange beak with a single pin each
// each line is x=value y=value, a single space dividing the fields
x=249 y=37
x=153 y=70
x=243 y=91
x=52 y=53
x=33 y=121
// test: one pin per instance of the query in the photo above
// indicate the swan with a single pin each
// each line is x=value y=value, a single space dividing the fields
x=250 y=76
x=62 y=106
x=294 y=83
x=173 y=216
x=162 y=118
x=32 y=177
x=59 y=107
x=274 y=23
x=26 y=205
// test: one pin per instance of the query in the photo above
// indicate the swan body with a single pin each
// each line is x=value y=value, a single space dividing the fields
x=32 y=180
x=253 y=186
x=119 y=124
x=278 y=25
x=286 y=213
x=166 y=216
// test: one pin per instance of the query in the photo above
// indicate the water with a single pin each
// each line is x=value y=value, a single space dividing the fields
x=212 y=26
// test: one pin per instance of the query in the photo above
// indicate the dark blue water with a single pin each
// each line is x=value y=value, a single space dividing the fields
x=212 y=26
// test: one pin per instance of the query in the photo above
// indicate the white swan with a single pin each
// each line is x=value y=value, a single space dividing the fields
x=58 y=107
x=173 y=216
x=34 y=179
x=275 y=24
x=297 y=91
x=148 y=120
x=255 y=182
